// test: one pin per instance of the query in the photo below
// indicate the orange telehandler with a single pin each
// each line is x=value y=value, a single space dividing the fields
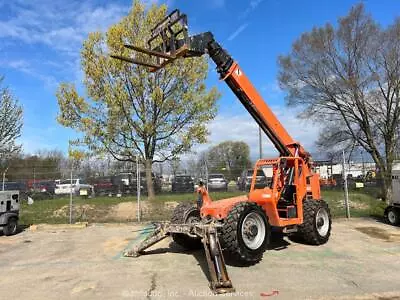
x=238 y=227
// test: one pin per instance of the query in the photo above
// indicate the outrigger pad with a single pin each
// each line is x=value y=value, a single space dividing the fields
x=169 y=40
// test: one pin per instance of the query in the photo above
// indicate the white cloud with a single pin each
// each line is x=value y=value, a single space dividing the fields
x=238 y=31
x=36 y=138
x=272 y=90
x=253 y=5
x=33 y=143
x=61 y=25
x=25 y=67
x=242 y=127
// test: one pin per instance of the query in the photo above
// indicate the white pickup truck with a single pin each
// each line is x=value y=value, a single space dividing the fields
x=79 y=187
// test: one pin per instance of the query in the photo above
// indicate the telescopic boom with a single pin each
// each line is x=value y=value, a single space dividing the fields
x=170 y=40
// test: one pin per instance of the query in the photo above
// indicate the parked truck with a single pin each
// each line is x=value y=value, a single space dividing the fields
x=392 y=212
x=78 y=186
x=9 y=211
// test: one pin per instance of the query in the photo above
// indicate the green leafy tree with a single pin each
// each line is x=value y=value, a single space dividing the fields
x=130 y=112
x=229 y=158
x=348 y=79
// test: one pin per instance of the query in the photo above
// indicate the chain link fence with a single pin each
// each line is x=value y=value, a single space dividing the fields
x=70 y=195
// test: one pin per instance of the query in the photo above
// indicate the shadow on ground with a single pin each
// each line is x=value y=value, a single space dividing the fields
x=277 y=243
x=21 y=228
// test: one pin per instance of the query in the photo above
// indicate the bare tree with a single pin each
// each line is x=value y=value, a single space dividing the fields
x=10 y=127
x=348 y=79
x=175 y=165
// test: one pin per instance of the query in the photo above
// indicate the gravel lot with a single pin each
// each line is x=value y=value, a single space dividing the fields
x=361 y=260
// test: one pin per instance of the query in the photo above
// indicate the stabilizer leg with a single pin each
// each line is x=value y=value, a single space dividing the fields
x=220 y=282
x=159 y=234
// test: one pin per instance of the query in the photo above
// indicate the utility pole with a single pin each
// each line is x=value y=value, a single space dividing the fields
x=4 y=176
x=260 y=142
x=206 y=169
x=70 y=199
x=346 y=191
x=138 y=186
x=363 y=165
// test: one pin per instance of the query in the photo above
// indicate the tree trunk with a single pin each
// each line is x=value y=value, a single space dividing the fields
x=387 y=192
x=387 y=183
x=385 y=175
x=149 y=180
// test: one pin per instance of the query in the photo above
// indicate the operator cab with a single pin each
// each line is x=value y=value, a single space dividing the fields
x=282 y=186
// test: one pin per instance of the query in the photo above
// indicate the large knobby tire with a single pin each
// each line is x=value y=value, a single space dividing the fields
x=392 y=215
x=186 y=213
x=245 y=234
x=11 y=227
x=317 y=222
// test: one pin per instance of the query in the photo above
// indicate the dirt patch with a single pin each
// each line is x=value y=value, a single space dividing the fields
x=61 y=212
x=355 y=205
x=379 y=233
x=127 y=211
x=170 y=205
x=80 y=211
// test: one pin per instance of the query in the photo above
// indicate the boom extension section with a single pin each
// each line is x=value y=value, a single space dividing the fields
x=170 y=40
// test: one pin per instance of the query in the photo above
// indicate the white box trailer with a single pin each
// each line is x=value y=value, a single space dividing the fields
x=392 y=212
x=9 y=211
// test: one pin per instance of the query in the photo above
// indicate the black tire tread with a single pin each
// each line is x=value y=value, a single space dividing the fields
x=6 y=229
x=178 y=217
x=229 y=238
x=397 y=212
x=307 y=230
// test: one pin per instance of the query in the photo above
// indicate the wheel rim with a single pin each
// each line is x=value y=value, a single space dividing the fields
x=12 y=227
x=192 y=218
x=253 y=231
x=392 y=216
x=322 y=222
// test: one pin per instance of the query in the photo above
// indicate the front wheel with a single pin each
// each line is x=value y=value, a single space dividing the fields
x=392 y=215
x=245 y=233
x=11 y=227
x=317 y=222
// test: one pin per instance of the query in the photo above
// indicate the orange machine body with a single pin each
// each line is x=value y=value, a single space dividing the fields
x=291 y=175
x=304 y=182
x=304 y=186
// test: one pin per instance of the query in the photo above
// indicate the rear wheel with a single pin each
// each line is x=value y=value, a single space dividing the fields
x=317 y=222
x=186 y=213
x=392 y=215
x=11 y=227
x=245 y=233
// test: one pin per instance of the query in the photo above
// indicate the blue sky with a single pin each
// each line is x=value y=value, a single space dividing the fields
x=40 y=43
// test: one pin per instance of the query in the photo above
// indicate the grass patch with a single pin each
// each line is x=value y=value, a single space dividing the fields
x=361 y=204
x=100 y=209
